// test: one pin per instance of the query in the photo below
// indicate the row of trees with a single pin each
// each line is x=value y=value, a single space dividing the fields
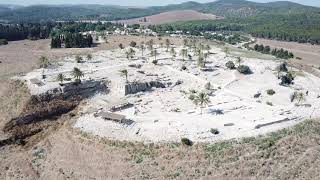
x=279 y=53
x=14 y=32
x=72 y=40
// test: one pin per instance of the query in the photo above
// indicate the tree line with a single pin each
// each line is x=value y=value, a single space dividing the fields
x=279 y=53
x=14 y=32
x=72 y=40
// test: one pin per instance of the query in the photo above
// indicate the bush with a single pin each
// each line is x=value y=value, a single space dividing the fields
x=230 y=65
x=183 y=68
x=3 y=42
x=243 y=69
x=192 y=97
x=214 y=131
x=269 y=103
x=208 y=86
x=283 y=67
x=121 y=46
x=133 y=44
x=270 y=92
x=287 y=79
x=186 y=141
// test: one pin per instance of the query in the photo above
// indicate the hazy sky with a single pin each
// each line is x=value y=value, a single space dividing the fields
x=131 y=2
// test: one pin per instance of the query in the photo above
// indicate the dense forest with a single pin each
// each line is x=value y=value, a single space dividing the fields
x=25 y=31
x=34 y=31
x=303 y=28
x=281 y=20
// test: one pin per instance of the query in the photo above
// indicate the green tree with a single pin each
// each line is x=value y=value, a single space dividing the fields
x=185 y=42
x=201 y=99
x=226 y=51
x=300 y=97
x=78 y=59
x=89 y=57
x=173 y=53
x=201 y=62
x=154 y=53
x=239 y=60
x=60 y=78
x=77 y=74
x=168 y=44
x=142 y=48
x=183 y=53
x=43 y=63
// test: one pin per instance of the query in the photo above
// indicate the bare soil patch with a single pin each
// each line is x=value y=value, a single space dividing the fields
x=170 y=17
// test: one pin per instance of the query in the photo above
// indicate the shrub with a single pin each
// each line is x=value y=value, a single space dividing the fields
x=133 y=44
x=243 y=69
x=183 y=68
x=3 y=42
x=186 y=141
x=155 y=62
x=269 y=103
x=283 y=67
x=207 y=86
x=78 y=59
x=270 y=92
x=230 y=65
x=214 y=131
x=192 y=97
x=287 y=79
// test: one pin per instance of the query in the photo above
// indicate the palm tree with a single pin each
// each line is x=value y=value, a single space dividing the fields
x=202 y=99
x=142 y=48
x=300 y=97
x=173 y=53
x=78 y=59
x=44 y=63
x=89 y=57
x=198 y=52
x=183 y=53
x=185 y=42
x=205 y=56
x=60 y=78
x=77 y=74
x=208 y=48
x=130 y=53
x=226 y=50
x=201 y=62
x=239 y=60
x=154 y=53
x=150 y=44
x=124 y=73
x=167 y=44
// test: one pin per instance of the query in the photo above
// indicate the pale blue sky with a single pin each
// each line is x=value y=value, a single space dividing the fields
x=131 y=2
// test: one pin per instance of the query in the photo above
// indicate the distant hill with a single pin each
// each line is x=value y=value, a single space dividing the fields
x=225 y=8
x=170 y=17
